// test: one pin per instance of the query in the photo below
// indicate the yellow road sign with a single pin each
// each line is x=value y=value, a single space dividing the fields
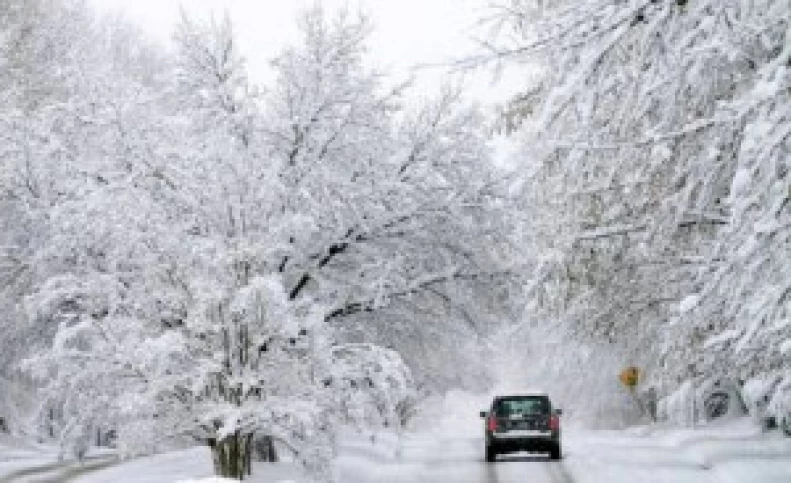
x=630 y=376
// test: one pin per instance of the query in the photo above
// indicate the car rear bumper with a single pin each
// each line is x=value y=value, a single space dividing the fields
x=533 y=441
x=522 y=435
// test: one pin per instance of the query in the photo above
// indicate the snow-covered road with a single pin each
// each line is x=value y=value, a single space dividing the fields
x=424 y=459
x=728 y=452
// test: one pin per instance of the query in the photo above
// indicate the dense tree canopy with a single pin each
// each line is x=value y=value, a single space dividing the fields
x=657 y=176
x=200 y=257
x=187 y=254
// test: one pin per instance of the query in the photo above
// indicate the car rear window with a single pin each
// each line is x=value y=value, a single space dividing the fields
x=525 y=405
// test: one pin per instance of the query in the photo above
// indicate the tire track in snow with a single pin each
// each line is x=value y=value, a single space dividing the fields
x=77 y=471
x=559 y=473
x=61 y=471
x=17 y=476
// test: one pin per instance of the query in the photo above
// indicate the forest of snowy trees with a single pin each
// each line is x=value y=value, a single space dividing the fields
x=187 y=255
x=656 y=179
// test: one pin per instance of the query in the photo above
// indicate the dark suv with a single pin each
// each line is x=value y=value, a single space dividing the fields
x=524 y=422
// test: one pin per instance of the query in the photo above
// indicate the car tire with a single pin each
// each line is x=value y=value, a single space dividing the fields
x=556 y=453
x=491 y=454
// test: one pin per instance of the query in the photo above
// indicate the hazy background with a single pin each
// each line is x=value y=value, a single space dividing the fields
x=407 y=33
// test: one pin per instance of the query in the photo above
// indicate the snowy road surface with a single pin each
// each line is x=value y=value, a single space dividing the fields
x=459 y=460
x=734 y=452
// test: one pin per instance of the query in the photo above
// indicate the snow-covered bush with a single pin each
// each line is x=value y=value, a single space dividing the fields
x=719 y=398
x=372 y=382
x=699 y=401
x=758 y=392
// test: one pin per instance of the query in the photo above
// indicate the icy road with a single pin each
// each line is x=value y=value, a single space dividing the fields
x=428 y=460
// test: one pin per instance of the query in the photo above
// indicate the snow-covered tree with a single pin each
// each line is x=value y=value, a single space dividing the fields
x=644 y=155
x=58 y=132
x=409 y=223
x=223 y=264
x=740 y=315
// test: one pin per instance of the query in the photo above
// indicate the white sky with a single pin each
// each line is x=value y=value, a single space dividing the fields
x=407 y=32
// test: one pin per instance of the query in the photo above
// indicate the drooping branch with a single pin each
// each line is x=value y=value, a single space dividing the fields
x=426 y=284
x=342 y=246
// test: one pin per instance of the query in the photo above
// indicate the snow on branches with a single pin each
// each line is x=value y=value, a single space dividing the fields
x=212 y=261
x=662 y=175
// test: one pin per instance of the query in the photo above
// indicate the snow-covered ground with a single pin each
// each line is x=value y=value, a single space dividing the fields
x=450 y=449
x=17 y=455
x=446 y=446
x=731 y=451
x=181 y=466
x=23 y=462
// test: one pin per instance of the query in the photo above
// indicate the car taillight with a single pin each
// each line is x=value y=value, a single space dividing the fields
x=554 y=423
x=491 y=424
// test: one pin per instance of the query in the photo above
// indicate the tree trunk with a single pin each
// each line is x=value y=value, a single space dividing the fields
x=231 y=456
x=267 y=449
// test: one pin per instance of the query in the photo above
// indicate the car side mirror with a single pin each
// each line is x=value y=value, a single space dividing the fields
x=559 y=412
x=483 y=414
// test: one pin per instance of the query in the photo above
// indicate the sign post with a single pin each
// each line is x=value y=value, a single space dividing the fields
x=630 y=377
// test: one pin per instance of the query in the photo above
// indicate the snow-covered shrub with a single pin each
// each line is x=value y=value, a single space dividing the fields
x=758 y=392
x=719 y=398
x=373 y=382
x=704 y=400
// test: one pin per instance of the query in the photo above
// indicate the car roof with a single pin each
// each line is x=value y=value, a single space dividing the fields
x=522 y=394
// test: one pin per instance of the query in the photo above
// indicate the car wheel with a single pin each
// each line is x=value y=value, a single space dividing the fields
x=491 y=454
x=556 y=453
